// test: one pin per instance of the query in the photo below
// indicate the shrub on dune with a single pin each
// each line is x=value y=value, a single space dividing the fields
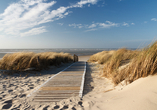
x=119 y=58
x=101 y=57
x=144 y=64
x=23 y=60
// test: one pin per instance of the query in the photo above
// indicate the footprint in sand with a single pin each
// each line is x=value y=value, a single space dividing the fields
x=8 y=101
x=56 y=107
x=7 y=104
x=4 y=86
x=31 y=87
x=23 y=95
x=10 y=90
x=80 y=103
x=65 y=107
x=1 y=92
x=45 y=108
x=73 y=108
x=3 y=95
x=11 y=85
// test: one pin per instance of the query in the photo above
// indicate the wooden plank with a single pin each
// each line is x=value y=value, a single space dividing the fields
x=55 y=95
x=60 y=88
x=46 y=101
x=59 y=91
x=52 y=97
x=65 y=85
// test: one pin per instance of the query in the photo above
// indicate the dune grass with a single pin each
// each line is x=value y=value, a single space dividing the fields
x=23 y=60
x=101 y=57
x=128 y=65
x=144 y=64
x=119 y=58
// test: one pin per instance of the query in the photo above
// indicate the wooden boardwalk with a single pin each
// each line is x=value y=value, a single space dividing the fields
x=63 y=85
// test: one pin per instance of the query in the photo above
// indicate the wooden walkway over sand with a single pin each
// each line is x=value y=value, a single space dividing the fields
x=67 y=83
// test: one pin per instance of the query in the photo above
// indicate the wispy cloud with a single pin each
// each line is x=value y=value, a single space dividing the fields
x=61 y=24
x=125 y=24
x=154 y=19
x=132 y=23
x=34 y=31
x=24 y=17
x=108 y=24
x=83 y=2
x=76 y=25
x=96 y=26
x=92 y=25
x=90 y=30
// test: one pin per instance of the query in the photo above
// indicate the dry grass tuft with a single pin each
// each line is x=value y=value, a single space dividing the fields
x=144 y=64
x=23 y=60
x=119 y=58
x=101 y=57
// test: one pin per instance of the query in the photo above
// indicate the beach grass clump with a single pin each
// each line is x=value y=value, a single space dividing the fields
x=144 y=64
x=101 y=57
x=23 y=60
x=119 y=58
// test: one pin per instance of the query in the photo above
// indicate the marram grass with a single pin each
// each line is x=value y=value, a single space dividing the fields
x=24 y=60
x=128 y=65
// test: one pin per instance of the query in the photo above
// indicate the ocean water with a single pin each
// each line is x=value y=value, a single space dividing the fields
x=79 y=52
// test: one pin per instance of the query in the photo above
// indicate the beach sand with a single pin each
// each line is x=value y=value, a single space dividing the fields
x=99 y=93
x=139 y=95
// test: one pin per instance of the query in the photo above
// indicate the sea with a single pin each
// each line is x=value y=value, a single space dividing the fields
x=77 y=51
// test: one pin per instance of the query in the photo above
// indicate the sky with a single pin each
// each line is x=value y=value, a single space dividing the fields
x=77 y=23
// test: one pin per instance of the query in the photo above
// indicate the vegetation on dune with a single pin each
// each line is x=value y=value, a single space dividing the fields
x=119 y=58
x=24 y=60
x=144 y=64
x=101 y=57
x=128 y=65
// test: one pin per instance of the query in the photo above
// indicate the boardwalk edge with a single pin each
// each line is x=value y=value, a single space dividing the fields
x=82 y=83
x=48 y=80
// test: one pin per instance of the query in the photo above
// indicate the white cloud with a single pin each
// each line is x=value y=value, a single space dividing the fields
x=96 y=26
x=34 y=31
x=92 y=25
x=108 y=24
x=21 y=18
x=132 y=23
x=153 y=19
x=61 y=24
x=76 y=25
x=125 y=24
x=83 y=2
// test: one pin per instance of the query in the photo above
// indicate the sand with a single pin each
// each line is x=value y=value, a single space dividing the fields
x=99 y=93
x=139 y=95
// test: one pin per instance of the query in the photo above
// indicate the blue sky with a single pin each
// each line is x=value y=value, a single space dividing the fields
x=77 y=23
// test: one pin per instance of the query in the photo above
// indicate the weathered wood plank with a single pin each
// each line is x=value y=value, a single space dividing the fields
x=64 y=85
x=60 y=88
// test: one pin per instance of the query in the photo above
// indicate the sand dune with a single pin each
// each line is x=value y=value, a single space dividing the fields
x=139 y=95
x=100 y=95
